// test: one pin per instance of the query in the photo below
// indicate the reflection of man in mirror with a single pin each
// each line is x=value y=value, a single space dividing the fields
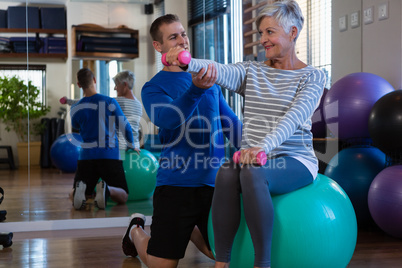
x=129 y=104
x=193 y=119
x=101 y=160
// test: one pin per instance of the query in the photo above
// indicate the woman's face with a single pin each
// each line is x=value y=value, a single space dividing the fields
x=120 y=88
x=277 y=43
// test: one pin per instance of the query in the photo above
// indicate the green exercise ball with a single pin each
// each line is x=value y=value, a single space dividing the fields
x=140 y=170
x=314 y=227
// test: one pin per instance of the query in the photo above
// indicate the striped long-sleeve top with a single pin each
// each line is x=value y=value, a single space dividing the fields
x=278 y=106
x=132 y=109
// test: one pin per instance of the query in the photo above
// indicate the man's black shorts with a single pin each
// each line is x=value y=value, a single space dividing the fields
x=109 y=170
x=177 y=210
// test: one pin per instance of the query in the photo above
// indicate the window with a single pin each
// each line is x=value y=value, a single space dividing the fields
x=314 y=43
x=105 y=71
x=34 y=73
x=210 y=26
x=210 y=39
x=213 y=27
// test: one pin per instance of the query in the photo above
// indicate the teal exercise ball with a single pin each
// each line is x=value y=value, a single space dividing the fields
x=140 y=170
x=354 y=169
x=314 y=227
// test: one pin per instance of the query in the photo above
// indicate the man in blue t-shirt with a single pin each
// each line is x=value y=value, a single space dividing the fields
x=98 y=117
x=193 y=119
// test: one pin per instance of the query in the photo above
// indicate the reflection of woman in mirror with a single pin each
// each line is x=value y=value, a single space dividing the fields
x=131 y=106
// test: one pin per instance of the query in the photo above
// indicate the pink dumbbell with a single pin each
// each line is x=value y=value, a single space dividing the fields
x=184 y=58
x=261 y=158
x=63 y=100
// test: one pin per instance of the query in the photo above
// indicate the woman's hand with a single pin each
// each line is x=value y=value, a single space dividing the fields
x=249 y=156
x=207 y=79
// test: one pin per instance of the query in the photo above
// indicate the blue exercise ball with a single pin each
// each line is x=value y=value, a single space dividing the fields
x=314 y=227
x=348 y=104
x=65 y=151
x=140 y=170
x=354 y=169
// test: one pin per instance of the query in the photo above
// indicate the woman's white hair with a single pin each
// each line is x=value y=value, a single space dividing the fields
x=286 y=12
x=125 y=76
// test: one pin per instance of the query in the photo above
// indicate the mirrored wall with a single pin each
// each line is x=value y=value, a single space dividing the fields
x=37 y=191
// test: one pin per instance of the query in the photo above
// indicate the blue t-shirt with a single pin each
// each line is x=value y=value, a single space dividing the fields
x=98 y=118
x=192 y=123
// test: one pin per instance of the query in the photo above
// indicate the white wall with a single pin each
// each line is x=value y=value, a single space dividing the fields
x=374 y=48
x=382 y=43
x=178 y=7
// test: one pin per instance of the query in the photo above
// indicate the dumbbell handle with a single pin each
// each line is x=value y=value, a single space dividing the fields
x=261 y=158
x=184 y=58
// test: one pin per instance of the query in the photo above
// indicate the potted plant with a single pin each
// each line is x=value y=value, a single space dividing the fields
x=20 y=111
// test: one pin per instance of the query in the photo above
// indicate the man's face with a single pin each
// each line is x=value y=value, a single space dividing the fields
x=173 y=35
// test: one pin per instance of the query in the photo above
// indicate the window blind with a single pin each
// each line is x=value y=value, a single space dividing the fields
x=200 y=10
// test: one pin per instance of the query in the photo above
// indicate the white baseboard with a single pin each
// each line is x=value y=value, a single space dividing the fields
x=54 y=225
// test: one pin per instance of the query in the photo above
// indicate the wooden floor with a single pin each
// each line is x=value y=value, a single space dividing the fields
x=42 y=195
x=102 y=248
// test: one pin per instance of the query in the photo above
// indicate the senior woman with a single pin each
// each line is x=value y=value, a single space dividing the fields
x=281 y=95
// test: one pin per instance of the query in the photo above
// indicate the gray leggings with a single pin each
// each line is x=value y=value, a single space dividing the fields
x=278 y=176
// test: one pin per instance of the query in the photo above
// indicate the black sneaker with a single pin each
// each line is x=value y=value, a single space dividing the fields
x=79 y=199
x=102 y=195
x=127 y=245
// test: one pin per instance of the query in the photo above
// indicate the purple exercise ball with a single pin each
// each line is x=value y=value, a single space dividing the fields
x=319 y=127
x=385 y=200
x=348 y=104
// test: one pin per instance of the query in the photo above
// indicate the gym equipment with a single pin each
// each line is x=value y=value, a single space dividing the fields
x=354 y=169
x=319 y=127
x=65 y=151
x=261 y=158
x=6 y=239
x=10 y=157
x=385 y=123
x=140 y=170
x=184 y=58
x=385 y=200
x=47 y=141
x=3 y=213
x=314 y=227
x=348 y=103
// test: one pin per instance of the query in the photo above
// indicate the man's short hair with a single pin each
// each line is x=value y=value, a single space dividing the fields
x=166 y=19
x=85 y=77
